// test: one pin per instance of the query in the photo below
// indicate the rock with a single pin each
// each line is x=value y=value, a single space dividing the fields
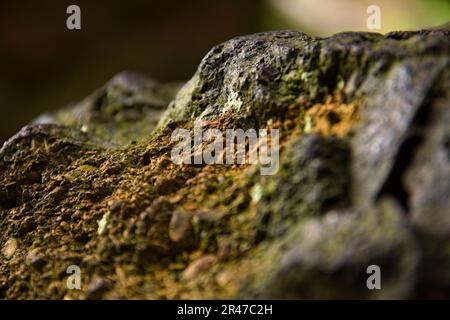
x=426 y=184
x=389 y=123
x=363 y=178
x=35 y=259
x=180 y=228
x=128 y=98
x=116 y=206
x=166 y=185
x=224 y=278
x=240 y=75
x=33 y=133
x=28 y=224
x=258 y=75
x=327 y=258
x=317 y=168
x=9 y=248
x=199 y=266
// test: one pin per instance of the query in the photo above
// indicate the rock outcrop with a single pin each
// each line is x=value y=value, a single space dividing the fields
x=363 y=179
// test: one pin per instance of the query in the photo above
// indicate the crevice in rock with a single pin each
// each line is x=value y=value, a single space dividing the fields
x=394 y=185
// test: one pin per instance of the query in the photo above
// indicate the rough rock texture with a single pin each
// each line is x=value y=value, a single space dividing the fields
x=364 y=178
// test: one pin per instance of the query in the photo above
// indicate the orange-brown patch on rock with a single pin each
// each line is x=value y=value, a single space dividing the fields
x=332 y=118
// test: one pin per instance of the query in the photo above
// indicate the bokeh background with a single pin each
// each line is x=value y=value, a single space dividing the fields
x=44 y=66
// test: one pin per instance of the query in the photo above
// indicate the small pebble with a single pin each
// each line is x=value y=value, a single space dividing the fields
x=28 y=224
x=9 y=248
x=198 y=266
x=116 y=205
x=35 y=259
x=180 y=227
x=224 y=278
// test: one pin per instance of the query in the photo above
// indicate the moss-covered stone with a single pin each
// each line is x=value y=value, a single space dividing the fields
x=363 y=178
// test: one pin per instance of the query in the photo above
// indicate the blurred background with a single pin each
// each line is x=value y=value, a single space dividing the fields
x=45 y=66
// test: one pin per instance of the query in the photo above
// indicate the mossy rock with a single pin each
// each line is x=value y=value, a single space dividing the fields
x=363 y=179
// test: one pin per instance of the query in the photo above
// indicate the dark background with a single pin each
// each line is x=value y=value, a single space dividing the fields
x=45 y=66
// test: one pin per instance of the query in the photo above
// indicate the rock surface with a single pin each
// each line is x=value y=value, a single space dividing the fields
x=363 y=179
